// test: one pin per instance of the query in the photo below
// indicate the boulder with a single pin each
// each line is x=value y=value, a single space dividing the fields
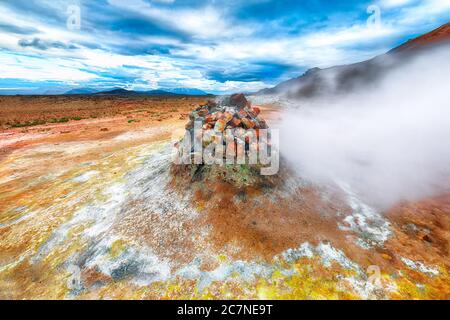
x=239 y=100
x=211 y=104
x=256 y=110
x=211 y=118
x=236 y=122
x=220 y=125
x=203 y=112
x=249 y=124
x=228 y=116
x=243 y=114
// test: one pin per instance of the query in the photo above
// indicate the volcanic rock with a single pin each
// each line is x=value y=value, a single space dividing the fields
x=239 y=100
x=220 y=125
x=231 y=125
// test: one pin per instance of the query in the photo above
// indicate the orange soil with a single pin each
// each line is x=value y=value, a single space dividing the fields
x=422 y=230
x=102 y=118
x=440 y=35
x=265 y=224
x=260 y=226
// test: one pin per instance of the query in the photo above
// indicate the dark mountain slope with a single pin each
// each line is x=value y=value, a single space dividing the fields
x=342 y=79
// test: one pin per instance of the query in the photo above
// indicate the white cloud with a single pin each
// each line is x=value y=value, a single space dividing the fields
x=394 y=3
x=37 y=69
x=426 y=12
x=217 y=42
x=348 y=36
x=204 y=23
x=317 y=49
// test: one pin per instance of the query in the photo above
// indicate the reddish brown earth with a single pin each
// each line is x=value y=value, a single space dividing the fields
x=27 y=120
x=25 y=111
x=265 y=224
x=435 y=37
x=250 y=224
x=422 y=230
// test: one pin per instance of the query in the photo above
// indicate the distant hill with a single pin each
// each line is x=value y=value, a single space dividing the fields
x=53 y=91
x=188 y=91
x=81 y=91
x=125 y=92
x=345 y=78
x=158 y=93
x=118 y=92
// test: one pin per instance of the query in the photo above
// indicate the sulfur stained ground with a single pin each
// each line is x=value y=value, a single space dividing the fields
x=89 y=210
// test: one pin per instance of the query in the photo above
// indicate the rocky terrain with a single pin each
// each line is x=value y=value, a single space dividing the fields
x=228 y=135
x=92 y=209
x=29 y=120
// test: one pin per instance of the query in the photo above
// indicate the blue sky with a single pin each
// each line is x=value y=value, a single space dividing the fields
x=219 y=46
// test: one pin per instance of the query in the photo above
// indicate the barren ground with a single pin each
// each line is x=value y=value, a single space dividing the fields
x=88 y=209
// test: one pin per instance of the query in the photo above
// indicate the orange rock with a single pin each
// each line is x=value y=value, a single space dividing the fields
x=220 y=125
x=228 y=116
x=242 y=113
x=249 y=124
x=256 y=110
x=251 y=113
x=219 y=115
x=210 y=118
x=235 y=122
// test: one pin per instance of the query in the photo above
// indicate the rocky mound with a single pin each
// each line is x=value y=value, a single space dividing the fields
x=230 y=113
x=225 y=140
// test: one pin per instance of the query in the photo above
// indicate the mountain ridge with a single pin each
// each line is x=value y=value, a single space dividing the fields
x=126 y=92
x=314 y=81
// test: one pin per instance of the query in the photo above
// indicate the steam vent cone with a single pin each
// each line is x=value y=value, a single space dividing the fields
x=221 y=142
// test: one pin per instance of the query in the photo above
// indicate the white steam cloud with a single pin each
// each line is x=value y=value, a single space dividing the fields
x=390 y=144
